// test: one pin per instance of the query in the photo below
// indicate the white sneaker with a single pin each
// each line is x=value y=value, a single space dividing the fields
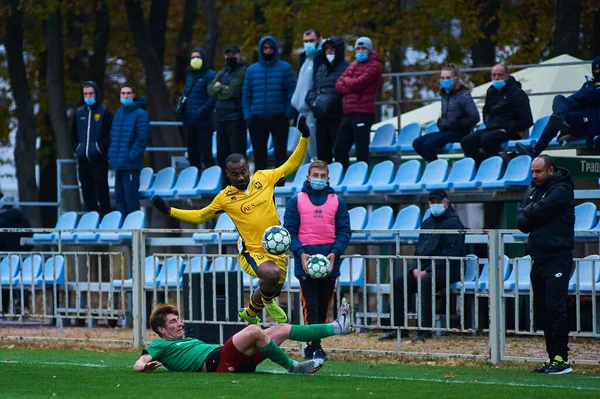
x=308 y=367
x=343 y=323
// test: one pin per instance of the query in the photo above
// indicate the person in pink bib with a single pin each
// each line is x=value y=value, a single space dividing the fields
x=318 y=221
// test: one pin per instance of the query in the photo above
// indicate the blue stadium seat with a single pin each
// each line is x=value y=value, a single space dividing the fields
x=196 y=264
x=31 y=268
x=407 y=135
x=221 y=264
x=111 y=220
x=170 y=273
x=163 y=181
x=358 y=218
x=209 y=183
x=352 y=271
x=585 y=217
x=381 y=174
x=224 y=222
x=470 y=274
x=186 y=180
x=384 y=140
x=381 y=219
x=588 y=272
x=462 y=171
x=518 y=173
x=408 y=173
x=534 y=136
x=409 y=218
x=10 y=267
x=65 y=221
x=152 y=267
x=146 y=178
x=296 y=185
x=88 y=221
x=135 y=220
x=485 y=275
x=335 y=173
x=427 y=214
x=432 y=128
x=435 y=172
x=355 y=175
x=489 y=171
x=522 y=270
x=54 y=270
x=293 y=139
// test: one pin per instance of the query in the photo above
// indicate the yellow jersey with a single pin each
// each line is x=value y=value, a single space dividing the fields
x=252 y=210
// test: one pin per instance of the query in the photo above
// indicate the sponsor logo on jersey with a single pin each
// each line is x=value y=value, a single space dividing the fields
x=249 y=207
x=258 y=185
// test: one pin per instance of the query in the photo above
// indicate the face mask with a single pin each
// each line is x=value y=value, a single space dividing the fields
x=498 y=84
x=89 y=101
x=446 y=84
x=361 y=57
x=196 y=63
x=231 y=62
x=310 y=48
x=126 y=101
x=318 y=184
x=437 y=209
x=330 y=58
x=268 y=57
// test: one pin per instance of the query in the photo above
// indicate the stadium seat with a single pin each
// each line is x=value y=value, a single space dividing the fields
x=435 y=172
x=31 y=268
x=111 y=221
x=335 y=173
x=355 y=175
x=293 y=139
x=381 y=219
x=534 y=136
x=196 y=264
x=381 y=174
x=66 y=221
x=408 y=173
x=53 y=271
x=432 y=128
x=407 y=135
x=146 y=178
x=489 y=171
x=358 y=218
x=163 y=181
x=296 y=185
x=152 y=267
x=409 y=218
x=10 y=267
x=88 y=221
x=588 y=272
x=462 y=171
x=170 y=272
x=483 y=282
x=214 y=145
x=135 y=220
x=518 y=173
x=186 y=180
x=209 y=183
x=585 y=217
x=384 y=140
x=521 y=271
x=427 y=214
x=224 y=222
x=221 y=264
x=470 y=274
x=352 y=275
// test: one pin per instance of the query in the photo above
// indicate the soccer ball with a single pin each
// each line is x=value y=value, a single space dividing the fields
x=276 y=240
x=318 y=266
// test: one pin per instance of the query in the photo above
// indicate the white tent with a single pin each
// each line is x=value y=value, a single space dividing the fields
x=556 y=79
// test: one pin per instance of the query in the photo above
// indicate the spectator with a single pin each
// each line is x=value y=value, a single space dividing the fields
x=575 y=116
x=267 y=93
x=129 y=138
x=442 y=217
x=198 y=110
x=310 y=61
x=318 y=222
x=459 y=115
x=506 y=115
x=227 y=88
x=358 y=84
x=548 y=215
x=323 y=99
x=91 y=132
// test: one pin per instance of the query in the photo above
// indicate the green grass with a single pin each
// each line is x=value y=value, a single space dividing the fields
x=38 y=373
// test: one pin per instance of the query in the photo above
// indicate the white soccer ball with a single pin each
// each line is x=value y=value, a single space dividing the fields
x=318 y=266
x=276 y=240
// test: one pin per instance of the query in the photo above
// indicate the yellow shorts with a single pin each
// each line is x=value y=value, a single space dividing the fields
x=250 y=262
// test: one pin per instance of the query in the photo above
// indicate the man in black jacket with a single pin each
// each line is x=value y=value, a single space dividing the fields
x=548 y=215
x=442 y=217
x=91 y=132
x=506 y=115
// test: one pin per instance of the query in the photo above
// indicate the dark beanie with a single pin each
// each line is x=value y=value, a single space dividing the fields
x=596 y=63
x=197 y=50
x=233 y=48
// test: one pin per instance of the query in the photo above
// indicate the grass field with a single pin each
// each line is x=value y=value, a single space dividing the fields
x=40 y=373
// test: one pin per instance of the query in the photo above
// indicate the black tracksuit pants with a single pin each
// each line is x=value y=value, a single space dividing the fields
x=260 y=128
x=425 y=302
x=316 y=296
x=93 y=176
x=231 y=139
x=354 y=129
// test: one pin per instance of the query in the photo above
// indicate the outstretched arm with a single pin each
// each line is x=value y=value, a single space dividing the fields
x=145 y=363
x=197 y=216
x=295 y=160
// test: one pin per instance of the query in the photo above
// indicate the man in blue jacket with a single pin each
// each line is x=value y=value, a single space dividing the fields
x=268 y=89
x=319 y=223
x=129 y=138
x=198 y=110
x=91 y=133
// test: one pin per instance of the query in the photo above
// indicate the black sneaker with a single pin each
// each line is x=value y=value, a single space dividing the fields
x=320 y=354
x=309 y=352
x=422 y=336
x=542 y=369
x=559 y=366
x=524 y=150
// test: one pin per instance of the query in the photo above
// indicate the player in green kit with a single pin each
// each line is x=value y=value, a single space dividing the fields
x=240 y=354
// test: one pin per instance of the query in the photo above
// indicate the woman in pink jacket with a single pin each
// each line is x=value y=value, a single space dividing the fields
x=359 y=85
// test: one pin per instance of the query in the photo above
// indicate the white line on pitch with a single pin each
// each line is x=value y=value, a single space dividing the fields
x=53 y=363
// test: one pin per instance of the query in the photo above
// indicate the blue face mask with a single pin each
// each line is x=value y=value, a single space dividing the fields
x=310 y=48
x=437 y=209
x=446 y=84
x=361 y=57
x=89 y=101
x=318 y=184
x=498 y=84
x=126 y=101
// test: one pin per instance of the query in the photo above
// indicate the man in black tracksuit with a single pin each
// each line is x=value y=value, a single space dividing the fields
x=91 y=133
x=548 y=215
x=442 y=217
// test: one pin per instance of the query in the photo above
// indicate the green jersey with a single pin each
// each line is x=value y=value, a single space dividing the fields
x=180 y=354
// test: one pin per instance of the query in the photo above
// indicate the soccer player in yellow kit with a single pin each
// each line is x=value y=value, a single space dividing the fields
x=249 y=203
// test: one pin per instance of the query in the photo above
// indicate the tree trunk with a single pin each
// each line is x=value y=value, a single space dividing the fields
x=483 y=51
x=101 y=35
x=211 y=20
x=27 y=131
x=596 y=35
x=74 y=45
x=567 y=28
x=58 y=107
x=157 y=26
x=286 y=46
x=182 y=55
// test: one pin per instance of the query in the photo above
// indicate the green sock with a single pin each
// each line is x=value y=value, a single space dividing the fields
x=311 y=332
x=276 y=355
